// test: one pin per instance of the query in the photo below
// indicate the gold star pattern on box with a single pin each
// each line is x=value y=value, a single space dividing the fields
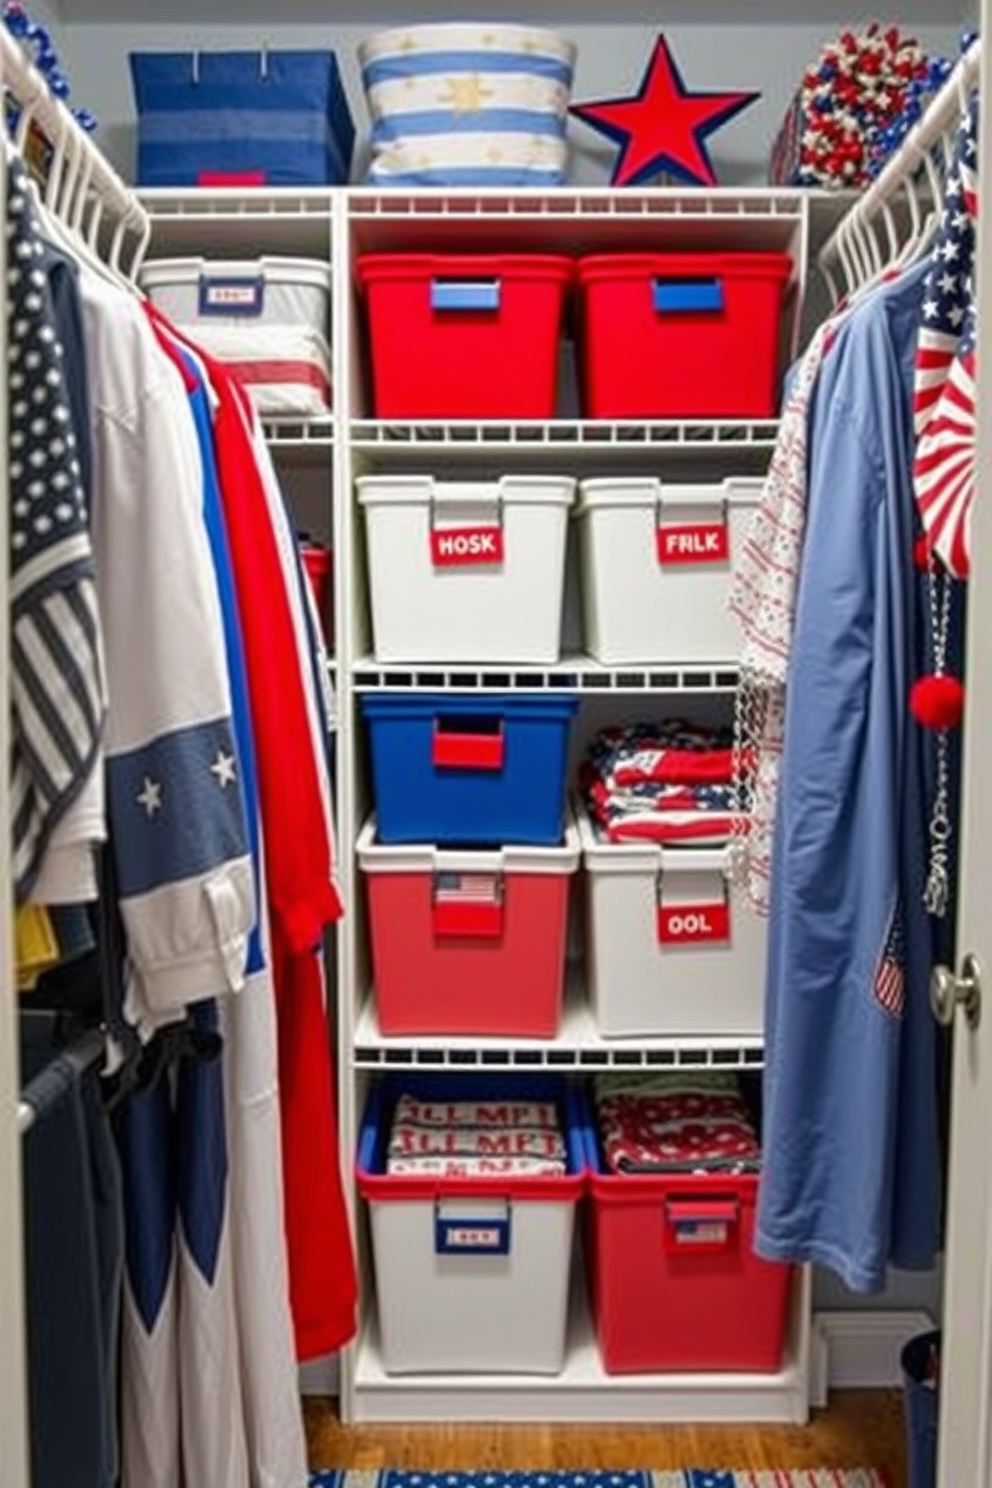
x=465 y=95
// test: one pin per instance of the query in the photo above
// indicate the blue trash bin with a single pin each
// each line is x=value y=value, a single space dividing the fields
x=921 y=1403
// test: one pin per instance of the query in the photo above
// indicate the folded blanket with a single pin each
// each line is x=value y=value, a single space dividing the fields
x=695 y=1128
x=476 y=1138
x=669 y=782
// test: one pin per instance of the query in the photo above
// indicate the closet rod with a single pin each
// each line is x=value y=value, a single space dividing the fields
x=54 y=1082
x=939 y=118
x=82 y=180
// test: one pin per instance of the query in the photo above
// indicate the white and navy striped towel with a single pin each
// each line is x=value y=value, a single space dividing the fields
x=468 y=105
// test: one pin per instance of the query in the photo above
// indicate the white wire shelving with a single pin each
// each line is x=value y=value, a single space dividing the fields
x=572 y=674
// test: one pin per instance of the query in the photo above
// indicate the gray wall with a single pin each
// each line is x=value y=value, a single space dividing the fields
x=770 y=59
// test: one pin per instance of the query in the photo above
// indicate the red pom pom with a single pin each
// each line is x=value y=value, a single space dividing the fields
x=937 y=702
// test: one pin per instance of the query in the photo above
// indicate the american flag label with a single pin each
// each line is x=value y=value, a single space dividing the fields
x=701 y=1224
x=693 y=542
x=466 y=547
x=693 y=924
x=890 y=973
x=468 y=906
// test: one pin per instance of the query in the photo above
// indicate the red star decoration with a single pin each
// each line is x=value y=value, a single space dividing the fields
x=663 y=127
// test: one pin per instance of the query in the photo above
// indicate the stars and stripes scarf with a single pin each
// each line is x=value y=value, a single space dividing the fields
x=944 y=392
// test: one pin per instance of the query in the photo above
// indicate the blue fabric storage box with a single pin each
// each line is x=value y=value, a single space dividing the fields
x=470 y=769
x=252 y=118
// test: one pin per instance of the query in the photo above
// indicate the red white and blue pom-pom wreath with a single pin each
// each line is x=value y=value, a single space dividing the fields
x=663 y=127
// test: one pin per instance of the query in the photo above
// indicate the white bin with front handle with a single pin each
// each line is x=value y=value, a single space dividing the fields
x=670 y=951
x=466 y=571
x=656 y=560
x=472 y=1273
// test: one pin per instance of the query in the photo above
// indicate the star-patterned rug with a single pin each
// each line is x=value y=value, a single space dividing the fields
x=689 y=1477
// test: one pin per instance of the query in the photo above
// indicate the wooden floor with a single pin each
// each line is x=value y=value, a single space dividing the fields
x=862 y=1428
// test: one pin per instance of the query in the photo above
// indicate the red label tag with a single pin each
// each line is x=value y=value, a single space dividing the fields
x=454 y=547
x=698 y=542
x=691 y=924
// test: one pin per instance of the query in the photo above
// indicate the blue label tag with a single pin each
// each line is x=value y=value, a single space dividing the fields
x=685 y=296
x=448 y=294
x=231 y=296
x=472 y=1236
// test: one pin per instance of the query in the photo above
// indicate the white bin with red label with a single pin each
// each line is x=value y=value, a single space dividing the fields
x=656 y=563
x=468 y=942
x=670 y=951
x=466 y=571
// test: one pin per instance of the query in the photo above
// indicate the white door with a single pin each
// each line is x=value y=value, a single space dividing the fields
x=966 y=1386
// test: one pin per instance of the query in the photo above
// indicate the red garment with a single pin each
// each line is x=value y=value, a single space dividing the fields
x=301 y=894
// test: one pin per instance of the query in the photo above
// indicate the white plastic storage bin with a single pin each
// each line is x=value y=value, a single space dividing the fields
x=466 y=571
x=656 y=563
x=266 y=318
x=471 y=1274
x=669 y=952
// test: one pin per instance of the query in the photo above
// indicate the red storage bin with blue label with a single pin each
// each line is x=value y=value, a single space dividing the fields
x=682 y=335
x=472 y=337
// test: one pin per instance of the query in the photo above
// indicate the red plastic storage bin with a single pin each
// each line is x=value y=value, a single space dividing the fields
x=674 y=1281
x=464 y=337
x=318 y=563
x=468 y=943
x=682 y=335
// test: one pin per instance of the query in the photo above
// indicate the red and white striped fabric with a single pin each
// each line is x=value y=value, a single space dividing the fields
x=944 y=390
x=286 y=370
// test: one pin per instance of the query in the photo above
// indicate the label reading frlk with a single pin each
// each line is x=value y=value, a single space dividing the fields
x=693 y=542
x=458 y=547
x=693 y=924
x=219 y=296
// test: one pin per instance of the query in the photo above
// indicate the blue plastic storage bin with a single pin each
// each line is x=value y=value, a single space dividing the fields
x=276 y=118
x=474 y=770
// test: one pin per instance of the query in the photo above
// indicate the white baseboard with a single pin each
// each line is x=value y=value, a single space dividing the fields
x=320 y=1376
x=860 y=1349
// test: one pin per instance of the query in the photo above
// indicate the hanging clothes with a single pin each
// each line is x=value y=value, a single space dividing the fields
x=180 y=844
x=302 y=894
x=850 y=1179
x=273 y=1423
x=57 y=679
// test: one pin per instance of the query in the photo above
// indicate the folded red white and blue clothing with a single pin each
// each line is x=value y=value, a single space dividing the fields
x=473 y=1139
x=676 y=1122
x=670 y=782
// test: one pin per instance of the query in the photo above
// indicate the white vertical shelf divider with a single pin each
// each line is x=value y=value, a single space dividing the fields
x=13 y=1381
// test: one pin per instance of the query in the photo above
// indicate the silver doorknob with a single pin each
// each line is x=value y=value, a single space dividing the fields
x=948 y=992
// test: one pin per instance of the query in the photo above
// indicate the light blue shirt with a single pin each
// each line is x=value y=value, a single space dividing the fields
x=850 y=1134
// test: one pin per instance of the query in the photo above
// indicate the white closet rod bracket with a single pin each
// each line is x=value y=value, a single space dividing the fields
x=938 y=119
x=78 y=171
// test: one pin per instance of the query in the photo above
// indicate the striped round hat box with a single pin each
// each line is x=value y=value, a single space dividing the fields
x=468 y=105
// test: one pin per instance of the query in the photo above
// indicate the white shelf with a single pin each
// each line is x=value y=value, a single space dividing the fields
x=306 y=440
x=584 y=442
x=578 y=1047
x=571 y=674
x=239 y=221
x=584 y=1392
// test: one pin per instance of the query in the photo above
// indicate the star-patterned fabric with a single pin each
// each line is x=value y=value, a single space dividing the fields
x=57 y=683
x=944 y=394
x=691 y=1477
